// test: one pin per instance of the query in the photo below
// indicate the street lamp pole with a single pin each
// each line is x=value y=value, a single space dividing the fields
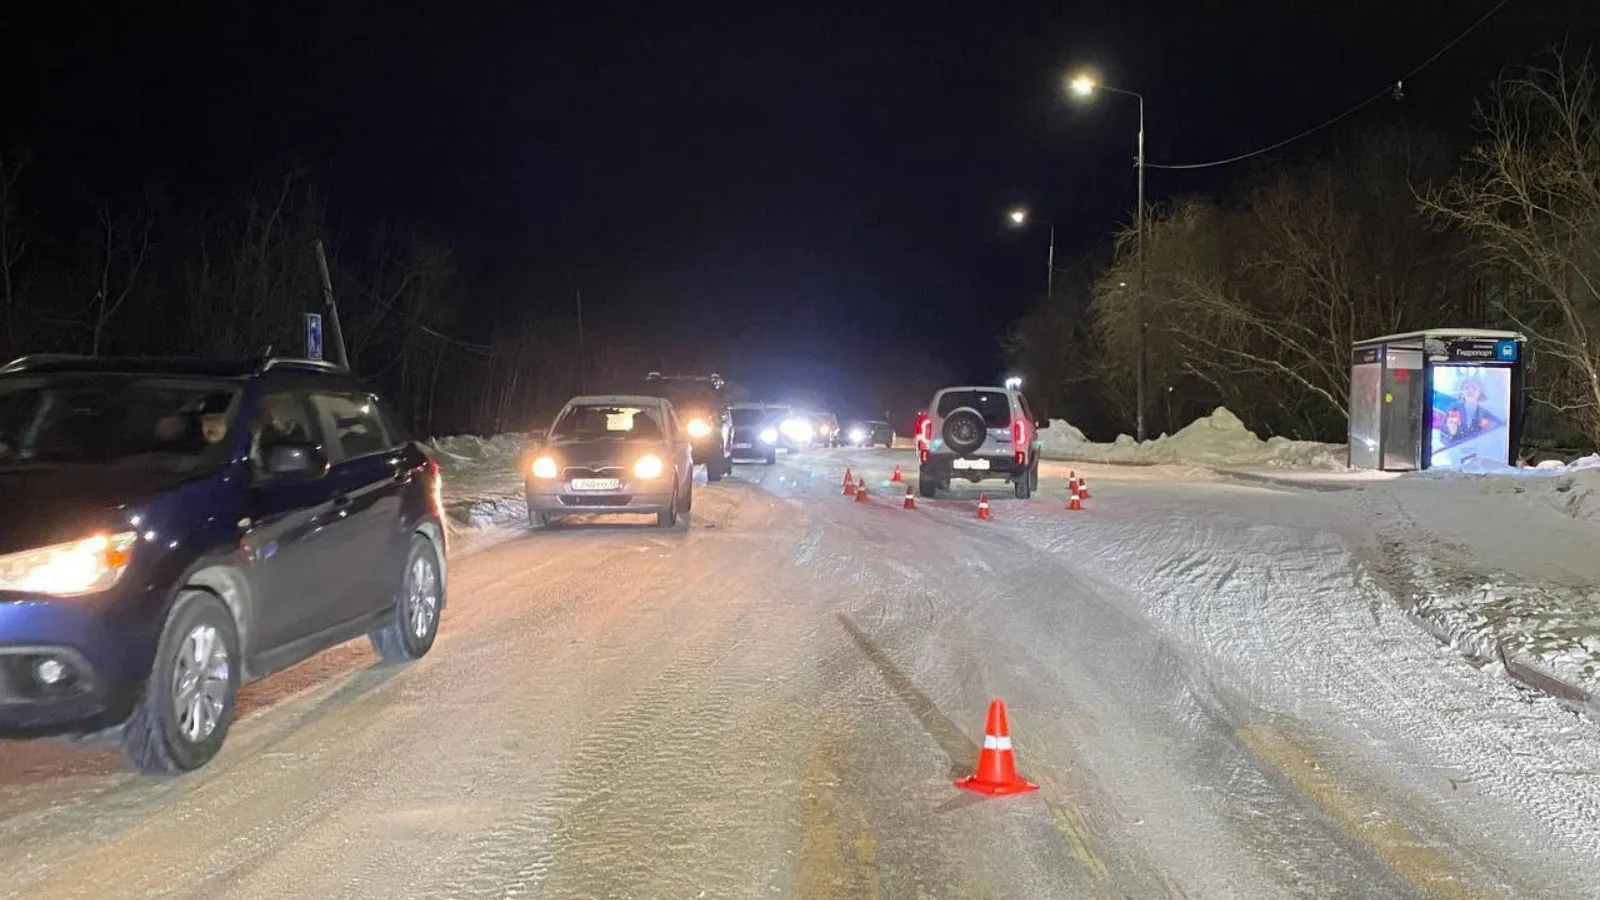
x=1050 y=273
x=1083 y=86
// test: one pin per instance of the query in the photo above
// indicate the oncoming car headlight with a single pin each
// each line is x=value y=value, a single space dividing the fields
x=769 y=435
x=77 y=567
x=798 y=430
x=698 y=428
x=858 y=435
x=545 y=467
x=648 y=466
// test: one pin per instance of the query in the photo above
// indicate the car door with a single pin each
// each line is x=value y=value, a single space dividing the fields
x=287 y=539
x=680 y=450
x=366 y=480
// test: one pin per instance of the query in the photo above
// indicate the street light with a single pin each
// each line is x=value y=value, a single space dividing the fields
x=1085 y=85
x=1019 y=219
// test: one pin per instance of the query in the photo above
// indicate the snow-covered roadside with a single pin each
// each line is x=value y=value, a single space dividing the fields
x=482 y=485
x=1219 y=439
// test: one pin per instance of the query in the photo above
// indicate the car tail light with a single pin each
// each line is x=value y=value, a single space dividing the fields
x=436 y=488
x=924 y=429
x=1017 y=436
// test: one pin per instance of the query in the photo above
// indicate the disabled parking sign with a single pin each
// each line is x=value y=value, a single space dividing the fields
x=313 y=335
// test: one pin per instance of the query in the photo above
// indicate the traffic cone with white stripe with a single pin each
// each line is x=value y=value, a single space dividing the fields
x=896 y=476
x=911 y=500
x=997 y=765
x=983 y=507
x=1083 y=488
x=861 y=491
x=849 y=482
x=1072 y=481
x=1073 y=503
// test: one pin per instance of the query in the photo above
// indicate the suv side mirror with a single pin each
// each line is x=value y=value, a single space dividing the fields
x=294 y=459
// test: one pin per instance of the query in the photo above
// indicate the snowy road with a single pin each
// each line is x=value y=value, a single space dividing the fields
x=1204 y=677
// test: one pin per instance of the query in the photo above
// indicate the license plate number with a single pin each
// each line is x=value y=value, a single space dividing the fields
x=741 y=446
x=596 y=484
x=970 y=464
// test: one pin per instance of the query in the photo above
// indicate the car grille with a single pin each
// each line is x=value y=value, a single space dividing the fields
x=596 y=500
x=572 y=472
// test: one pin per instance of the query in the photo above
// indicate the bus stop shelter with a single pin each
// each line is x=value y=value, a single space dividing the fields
x=1437 y=398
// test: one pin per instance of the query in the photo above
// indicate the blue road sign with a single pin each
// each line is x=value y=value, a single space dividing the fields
x=313 y=335
x=1505 y=351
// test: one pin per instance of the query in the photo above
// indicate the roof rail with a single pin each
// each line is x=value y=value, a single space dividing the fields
x=22 y=362
x=294 y=362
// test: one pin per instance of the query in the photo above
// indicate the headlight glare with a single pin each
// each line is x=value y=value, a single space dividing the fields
x=77 y=567
x=698 y=428
x=858 y=435
x=648 y=466
x=769 y=435
x=545 y=467
x=797 y=430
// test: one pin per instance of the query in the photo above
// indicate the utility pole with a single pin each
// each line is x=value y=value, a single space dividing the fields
x=1050 y=274
x=341 y=357
x=1139 y=376
x=583 y=368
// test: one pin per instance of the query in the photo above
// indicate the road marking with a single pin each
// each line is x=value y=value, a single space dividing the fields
x=1425 y=868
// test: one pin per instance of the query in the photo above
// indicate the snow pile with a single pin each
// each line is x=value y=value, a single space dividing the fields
x=1219 y=439
x=467 y=452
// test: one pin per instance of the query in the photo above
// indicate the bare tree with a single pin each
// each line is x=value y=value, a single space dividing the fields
x=126 y=245
x=12 y=247
x=1530 y=200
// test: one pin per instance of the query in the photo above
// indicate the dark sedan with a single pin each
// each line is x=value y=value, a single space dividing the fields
x=612 y=454
x=867 y=434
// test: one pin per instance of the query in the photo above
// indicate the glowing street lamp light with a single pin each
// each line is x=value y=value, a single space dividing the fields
x=1083 y=85
x=1019 y=216
x=1019 y=219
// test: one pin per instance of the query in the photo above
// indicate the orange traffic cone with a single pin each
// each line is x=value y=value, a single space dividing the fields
x=896 y=476
x=1072 y=481
x=997 y=765
x=1073 y=503
x=1083 y=488
x=849 y=482
x=983 y=507
x=861 y=491
x=911 y=500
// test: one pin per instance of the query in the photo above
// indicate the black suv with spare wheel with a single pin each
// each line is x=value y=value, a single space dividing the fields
x=978 y=433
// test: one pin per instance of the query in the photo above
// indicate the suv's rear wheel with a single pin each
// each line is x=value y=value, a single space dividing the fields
x=187 y=707
x=415 y=623
x=927 y=485
x=1026 y=482
x=715 y=470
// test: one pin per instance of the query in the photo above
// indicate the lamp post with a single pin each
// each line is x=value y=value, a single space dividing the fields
x=1084 y=86
x=1019 y=219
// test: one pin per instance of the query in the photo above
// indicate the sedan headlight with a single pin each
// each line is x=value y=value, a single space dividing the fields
x=797 y=430
x=858 y=435
x=78 y=567
x=769 y=435
x=648 y=466
x=698 y=428
x=545 y=467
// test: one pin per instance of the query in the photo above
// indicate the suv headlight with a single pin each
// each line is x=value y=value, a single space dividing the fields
x=545 y=467
x=797 y=430
x=77 y=567
x=648 y=466
x=769 y=435
x=698 y=428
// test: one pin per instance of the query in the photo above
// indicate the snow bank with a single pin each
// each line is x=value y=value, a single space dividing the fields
x=1219 y=439
x=467 y=452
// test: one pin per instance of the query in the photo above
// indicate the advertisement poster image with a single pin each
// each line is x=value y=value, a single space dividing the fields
x=1470 y=409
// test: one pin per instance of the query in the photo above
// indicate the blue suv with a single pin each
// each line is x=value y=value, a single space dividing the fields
x=172 y=529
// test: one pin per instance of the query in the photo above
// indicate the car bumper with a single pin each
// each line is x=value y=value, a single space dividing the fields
x=752 y=449
x=105 y=675
x=623 y=500
x=946 y=466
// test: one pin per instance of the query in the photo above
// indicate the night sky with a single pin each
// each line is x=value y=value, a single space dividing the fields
x=800 y=188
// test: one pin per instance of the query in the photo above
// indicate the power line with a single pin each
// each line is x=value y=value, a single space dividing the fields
x=1347 y=113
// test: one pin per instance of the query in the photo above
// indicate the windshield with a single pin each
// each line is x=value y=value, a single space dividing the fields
x=749 y=416
x=993 y=405
x=618 y=422
x=100 y=419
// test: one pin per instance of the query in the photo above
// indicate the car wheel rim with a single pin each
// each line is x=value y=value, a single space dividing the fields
x=422 y=600
x=200 y=680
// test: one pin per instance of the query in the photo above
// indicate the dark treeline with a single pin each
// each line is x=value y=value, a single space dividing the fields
x=155 y=274
x=1252 y=300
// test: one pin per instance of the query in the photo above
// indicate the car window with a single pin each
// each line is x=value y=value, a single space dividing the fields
x=283 y=418
x=747 y=416
x=1027 y=411
x=352 y=425
x=606 y=421
x=994 y=405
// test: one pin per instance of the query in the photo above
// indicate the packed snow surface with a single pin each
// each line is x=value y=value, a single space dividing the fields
x=1219 y=439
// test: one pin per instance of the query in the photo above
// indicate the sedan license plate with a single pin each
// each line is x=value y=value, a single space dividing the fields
x=596 y=484
x=970 y=464
x=741 y=446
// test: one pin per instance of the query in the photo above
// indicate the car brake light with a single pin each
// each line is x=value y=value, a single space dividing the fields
x=1017 y=445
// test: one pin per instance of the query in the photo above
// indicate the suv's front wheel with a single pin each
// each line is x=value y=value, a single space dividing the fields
x=415 y=621
x=187 y=707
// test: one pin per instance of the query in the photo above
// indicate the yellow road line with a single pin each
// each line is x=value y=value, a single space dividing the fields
x=1426 y=868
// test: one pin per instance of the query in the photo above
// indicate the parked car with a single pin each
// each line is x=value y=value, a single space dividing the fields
x=978 y=433
x=827 y=426
x=172 y=529
x=612 y=454
x=869 y=433
x=703 y=407
x=755 y=431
